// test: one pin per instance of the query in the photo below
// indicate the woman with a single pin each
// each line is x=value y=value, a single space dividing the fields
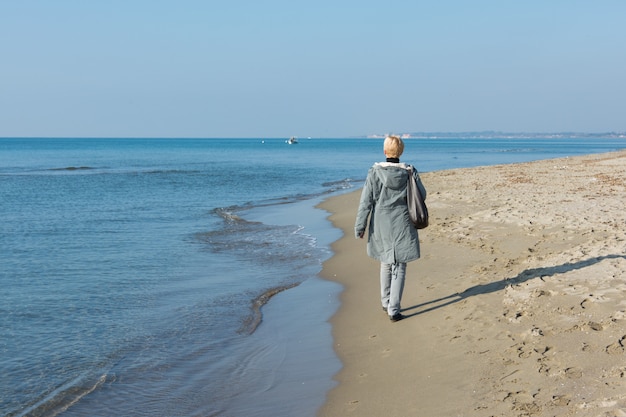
x=392 y=238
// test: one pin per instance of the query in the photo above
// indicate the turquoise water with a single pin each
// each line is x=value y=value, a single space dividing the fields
x=131 y=267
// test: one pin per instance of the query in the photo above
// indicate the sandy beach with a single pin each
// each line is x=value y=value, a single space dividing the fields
x=516 y=308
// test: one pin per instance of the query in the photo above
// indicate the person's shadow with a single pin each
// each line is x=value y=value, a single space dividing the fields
x=500 y=285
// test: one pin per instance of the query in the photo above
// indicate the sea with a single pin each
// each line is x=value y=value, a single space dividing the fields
x=179 y=277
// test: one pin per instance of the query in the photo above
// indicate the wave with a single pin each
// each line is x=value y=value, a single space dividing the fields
x=258 y=242
x=105 y=170
x=65 y=396
x=253 y=321
x=228 y=214
x=169 y=171
x=343 y=184
x=71 y=168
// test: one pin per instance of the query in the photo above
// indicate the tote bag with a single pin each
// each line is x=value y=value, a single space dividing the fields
x=418 y=212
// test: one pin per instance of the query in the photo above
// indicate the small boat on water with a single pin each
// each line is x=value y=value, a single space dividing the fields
x=291 y=141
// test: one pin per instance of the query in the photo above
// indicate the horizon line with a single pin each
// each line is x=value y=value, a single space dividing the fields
x=406 y=135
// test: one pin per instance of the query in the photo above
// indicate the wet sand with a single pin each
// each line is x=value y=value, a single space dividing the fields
x=517 y=307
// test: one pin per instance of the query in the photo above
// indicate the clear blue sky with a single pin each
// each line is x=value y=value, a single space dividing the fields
x=320 y=68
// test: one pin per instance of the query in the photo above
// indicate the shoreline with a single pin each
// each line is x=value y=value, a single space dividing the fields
x=514 y=309
x=288 y=329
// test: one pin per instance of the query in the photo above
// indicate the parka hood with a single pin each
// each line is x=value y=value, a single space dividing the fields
x=392 y=175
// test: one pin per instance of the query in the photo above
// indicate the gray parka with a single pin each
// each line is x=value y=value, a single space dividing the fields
x=392 y=237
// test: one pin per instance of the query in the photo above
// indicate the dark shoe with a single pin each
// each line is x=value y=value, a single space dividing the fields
x=396 y=317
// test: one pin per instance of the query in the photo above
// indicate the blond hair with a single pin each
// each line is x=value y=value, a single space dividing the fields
x=393 y=146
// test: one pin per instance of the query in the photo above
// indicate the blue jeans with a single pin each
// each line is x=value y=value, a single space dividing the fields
x=391 y=286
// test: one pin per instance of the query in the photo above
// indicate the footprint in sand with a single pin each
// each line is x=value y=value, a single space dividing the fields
x=574 y=373
x=560 y=400
x=617 y=347
x=596 y=326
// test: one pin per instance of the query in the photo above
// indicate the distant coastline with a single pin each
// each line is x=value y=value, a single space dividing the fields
x=489 y=134
x=486 y=134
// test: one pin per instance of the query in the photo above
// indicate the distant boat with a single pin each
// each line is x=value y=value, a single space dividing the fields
x=291 y=141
